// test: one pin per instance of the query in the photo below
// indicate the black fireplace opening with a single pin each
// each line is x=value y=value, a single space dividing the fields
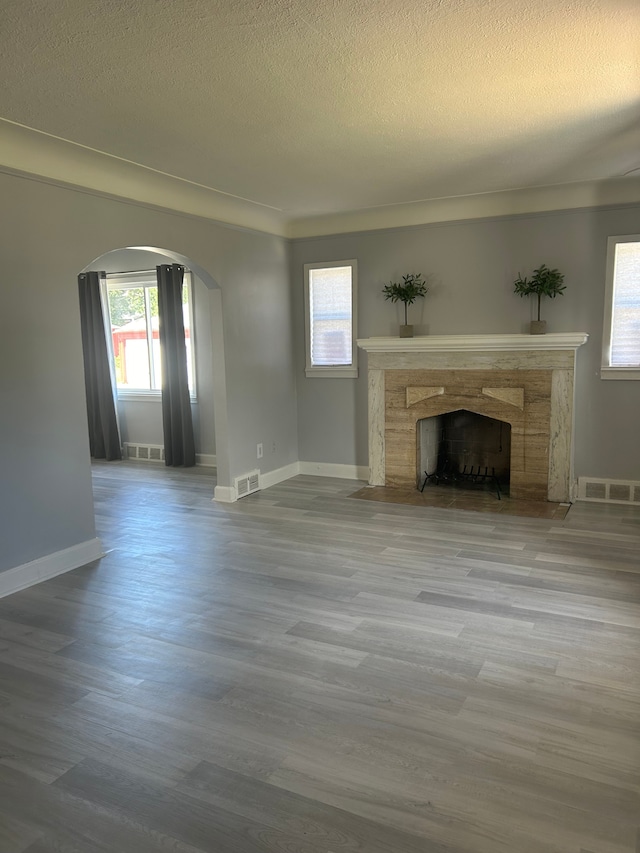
x=464 y=450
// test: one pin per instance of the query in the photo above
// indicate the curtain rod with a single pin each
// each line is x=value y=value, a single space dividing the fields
x=140 y=272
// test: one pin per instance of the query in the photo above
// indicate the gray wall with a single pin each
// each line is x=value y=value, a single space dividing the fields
x=471 y=266
x=141 y=421
x=49 y=234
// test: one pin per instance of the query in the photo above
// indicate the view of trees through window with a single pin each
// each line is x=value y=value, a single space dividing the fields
x=128 y=304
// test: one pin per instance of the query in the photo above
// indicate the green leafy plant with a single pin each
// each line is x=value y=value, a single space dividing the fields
x=544 y=282
x=411 y=288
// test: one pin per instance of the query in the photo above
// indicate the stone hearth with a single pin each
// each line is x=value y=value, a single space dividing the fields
x=523 y=380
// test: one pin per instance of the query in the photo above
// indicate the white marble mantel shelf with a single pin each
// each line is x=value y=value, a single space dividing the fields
x=476 y=343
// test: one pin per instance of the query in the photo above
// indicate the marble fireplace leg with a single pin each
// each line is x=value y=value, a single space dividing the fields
x=376 y=427
x=560 y=435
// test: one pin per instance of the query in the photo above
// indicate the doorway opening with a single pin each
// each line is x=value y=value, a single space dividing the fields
x=139 y=411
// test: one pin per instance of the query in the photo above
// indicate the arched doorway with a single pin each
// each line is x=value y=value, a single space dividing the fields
x=140 y=417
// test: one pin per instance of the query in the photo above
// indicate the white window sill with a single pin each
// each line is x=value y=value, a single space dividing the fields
x=348 y=372
x=619 y=373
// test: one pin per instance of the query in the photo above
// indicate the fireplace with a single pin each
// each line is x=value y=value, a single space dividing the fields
x=525 y=382
x=461 y=448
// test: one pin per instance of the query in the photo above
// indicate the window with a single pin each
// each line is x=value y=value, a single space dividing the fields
x=131 y=300
x=330 y=319
x=621 y=338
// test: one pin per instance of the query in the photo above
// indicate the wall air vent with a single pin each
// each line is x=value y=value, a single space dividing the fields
x=609 y=491
x=148 y=452
x=247 y=484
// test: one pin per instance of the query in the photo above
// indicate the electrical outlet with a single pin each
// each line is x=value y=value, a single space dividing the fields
x=259 y=450
x=273 y=447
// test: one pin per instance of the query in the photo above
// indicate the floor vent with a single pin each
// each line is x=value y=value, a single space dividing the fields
x=609 y=491
x=148 y=452
x=247 y=484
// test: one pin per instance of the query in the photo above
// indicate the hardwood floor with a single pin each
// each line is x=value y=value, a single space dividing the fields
x=305 y=673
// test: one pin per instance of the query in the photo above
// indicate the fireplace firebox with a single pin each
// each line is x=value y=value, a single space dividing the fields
x=464 y=449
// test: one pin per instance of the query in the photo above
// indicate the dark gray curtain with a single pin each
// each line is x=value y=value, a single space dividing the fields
x=104 y=440
x=179 y=446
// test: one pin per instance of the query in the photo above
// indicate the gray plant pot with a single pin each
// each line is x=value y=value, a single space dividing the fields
x=538 y=327
x=406 y=331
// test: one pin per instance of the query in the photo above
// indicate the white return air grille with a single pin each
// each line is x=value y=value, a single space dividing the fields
x=148 y=452
x=247 y=484
x=609 y=491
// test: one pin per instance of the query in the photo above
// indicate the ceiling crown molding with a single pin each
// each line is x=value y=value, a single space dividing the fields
x=25 y=150
x=543 y=199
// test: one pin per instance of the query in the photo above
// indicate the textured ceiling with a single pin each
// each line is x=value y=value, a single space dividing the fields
x=312 y=106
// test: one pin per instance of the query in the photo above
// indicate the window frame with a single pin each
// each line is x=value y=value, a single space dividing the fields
x=607 y=370
x=337 y=371
x=144 y=279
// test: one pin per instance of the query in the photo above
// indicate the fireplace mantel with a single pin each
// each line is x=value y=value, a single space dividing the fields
x=476 y=343
x=413 y=378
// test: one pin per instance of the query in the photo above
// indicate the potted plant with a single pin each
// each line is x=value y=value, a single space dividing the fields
x=411 y=288
x=544 y=282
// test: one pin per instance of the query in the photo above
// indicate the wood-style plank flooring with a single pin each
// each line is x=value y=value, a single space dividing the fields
x=456 y=497
x=305 y=673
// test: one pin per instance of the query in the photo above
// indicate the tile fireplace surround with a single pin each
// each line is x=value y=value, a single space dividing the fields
x=523 y=380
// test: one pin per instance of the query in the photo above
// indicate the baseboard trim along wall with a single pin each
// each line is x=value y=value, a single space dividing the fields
x=227 y=494
x=155 y=453
x=601 y=490
x=28 y=574
x=224 y=494
x=206 y=460
x=272 y=478
x=333 y=469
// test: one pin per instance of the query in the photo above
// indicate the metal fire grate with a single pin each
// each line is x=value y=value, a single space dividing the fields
x=455 y=478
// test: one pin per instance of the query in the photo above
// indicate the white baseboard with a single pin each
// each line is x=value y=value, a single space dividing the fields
x=28 y=574
x=155 y=453
x=272 y=478
x=333 y=469
x=206 y=460
x=227 y=494
x=603 y=490
x=224 y=494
